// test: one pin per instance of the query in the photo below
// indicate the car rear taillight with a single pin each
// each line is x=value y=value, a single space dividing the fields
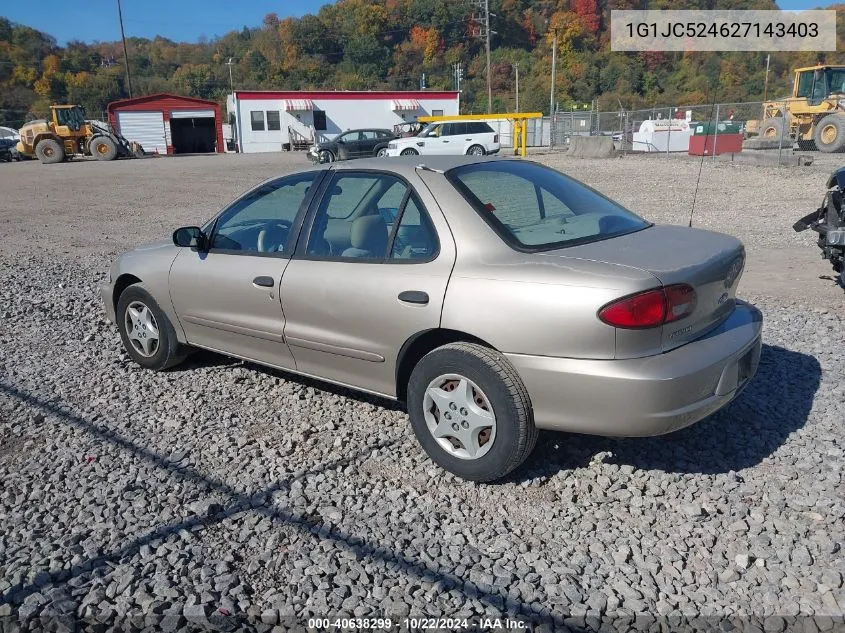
x=651 y=308
x=495 y=138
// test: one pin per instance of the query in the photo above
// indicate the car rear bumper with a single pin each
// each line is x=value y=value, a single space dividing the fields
x=645 y=396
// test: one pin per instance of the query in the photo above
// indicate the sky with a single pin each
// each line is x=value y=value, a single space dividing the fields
x=178 y=20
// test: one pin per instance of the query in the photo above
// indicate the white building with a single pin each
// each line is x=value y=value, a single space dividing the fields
x=265 y=121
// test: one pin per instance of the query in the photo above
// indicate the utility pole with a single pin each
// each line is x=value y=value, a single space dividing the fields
x=552 y=91
x=484 y=5
x=125 y=54
x=458 y=75
x=231 y=82
x=516 y=68
x=487 y=31
x=766 y=83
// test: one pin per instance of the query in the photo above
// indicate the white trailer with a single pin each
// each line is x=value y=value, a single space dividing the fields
x=271 y=121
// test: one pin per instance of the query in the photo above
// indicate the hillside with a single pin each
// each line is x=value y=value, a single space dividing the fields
x=356 y=44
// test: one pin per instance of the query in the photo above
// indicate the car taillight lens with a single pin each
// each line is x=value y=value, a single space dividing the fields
x=651 y=308
x=495 y=138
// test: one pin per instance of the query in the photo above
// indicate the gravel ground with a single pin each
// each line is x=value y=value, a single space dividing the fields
x=223 y=494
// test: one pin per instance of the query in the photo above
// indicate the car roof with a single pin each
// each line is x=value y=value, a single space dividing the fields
x=367 y=129
x=408 y=164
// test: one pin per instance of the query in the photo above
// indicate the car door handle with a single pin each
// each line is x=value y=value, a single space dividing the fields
x=414 y=296
x=264 y=282
x=445 y=141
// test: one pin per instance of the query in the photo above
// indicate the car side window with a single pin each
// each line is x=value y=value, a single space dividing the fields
x=415 y=237
x=260 y=221
x=460 y=129
x=361 y=213
x=368 y=135
x=354 y=219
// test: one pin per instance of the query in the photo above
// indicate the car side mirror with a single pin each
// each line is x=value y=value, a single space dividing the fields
x=340 y=141
x=189 y=236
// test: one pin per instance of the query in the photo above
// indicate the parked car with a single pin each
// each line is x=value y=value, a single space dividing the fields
x=494 y=297
x=352 y=144
x=8 y=151
x=475 y=138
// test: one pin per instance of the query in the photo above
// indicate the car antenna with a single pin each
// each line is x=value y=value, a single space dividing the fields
x=701 y=164
x=427 y=168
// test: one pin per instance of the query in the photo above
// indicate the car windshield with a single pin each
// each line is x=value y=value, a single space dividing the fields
x=537 y=208
x=432 y=129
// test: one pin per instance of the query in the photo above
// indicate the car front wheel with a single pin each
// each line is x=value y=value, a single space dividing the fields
x=409 y=152
x=146 y=332
x=470 y=411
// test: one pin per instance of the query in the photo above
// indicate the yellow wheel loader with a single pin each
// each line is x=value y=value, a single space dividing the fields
x=814 y=116
x=67 y=134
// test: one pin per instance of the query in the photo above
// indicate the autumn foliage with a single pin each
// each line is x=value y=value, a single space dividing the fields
x=392 y=44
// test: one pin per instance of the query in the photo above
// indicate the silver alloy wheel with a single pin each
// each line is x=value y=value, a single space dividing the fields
x=459 y=416
x=382 y=152
x=141 y=328
x=476 y=150
x=326 y=156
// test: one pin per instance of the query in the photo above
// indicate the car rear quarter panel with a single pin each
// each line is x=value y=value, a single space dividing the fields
x=525 y=303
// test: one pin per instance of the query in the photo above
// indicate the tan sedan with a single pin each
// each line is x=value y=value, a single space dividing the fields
x=494 y=297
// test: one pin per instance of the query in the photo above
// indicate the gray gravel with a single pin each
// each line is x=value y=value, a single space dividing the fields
x=223 y=494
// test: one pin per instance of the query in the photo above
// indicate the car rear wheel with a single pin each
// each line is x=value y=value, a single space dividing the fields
x=146 y=332
x=381 y=152
x=409 y=152
x=475 y=150
x=470 y=411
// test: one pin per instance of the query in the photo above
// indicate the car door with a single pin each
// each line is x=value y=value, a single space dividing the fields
x=447 y=139
x=367 y=143
x=349 y=313
x=227 y=297
x=347 y=146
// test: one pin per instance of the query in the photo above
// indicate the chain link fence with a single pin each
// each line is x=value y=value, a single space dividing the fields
x=760 y=131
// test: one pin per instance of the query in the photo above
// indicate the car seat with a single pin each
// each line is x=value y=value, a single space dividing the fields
x=368 y=238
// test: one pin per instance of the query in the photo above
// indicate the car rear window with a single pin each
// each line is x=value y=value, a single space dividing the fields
x=537 y=208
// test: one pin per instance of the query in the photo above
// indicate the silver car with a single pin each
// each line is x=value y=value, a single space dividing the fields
x=494 y=297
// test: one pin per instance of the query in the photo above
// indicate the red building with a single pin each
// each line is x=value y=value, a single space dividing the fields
x=169 y=124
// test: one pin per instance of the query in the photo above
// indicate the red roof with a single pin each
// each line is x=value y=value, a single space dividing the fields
x=158 y=97
x=345 y=94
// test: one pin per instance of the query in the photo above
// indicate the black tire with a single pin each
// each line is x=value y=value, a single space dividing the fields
x=49 y=151
x=103 y=148
x=380 y=152
x=168 y=351
x=325 y=156
x=476 y=150
x=409 y=151
x=829 y=134
x=515 y=433
x=772 y=129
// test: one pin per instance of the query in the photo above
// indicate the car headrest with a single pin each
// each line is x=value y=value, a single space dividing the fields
x=369 y=233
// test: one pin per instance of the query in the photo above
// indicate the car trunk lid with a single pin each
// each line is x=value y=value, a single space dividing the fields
x=711 y=263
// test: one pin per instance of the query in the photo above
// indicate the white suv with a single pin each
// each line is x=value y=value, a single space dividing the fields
x=476 y=138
